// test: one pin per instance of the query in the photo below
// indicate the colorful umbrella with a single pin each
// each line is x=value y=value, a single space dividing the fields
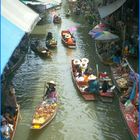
x=72 y=29
x=106 y=36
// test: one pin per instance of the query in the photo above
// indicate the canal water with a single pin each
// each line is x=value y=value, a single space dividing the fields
x=76 y=119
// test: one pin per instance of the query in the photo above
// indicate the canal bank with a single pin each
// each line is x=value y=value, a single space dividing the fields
x=76 y=119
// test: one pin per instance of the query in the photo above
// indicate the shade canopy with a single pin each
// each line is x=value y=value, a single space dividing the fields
x=11 y=36
x=105 y=11
x=19 y=14
x=106 y=36
x=16 y=20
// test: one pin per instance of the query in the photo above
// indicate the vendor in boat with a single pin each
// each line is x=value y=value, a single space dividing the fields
x=127 y=93
x=51 y=92
x=76 y=67
x=105 y=86
x=5 y=129
x=49 y=36
x=93 y=85
x=9 y=118
x=88 y=71
x=11 y=102
x=83 y=67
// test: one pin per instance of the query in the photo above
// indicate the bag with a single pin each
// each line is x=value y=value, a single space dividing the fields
x=129 y=106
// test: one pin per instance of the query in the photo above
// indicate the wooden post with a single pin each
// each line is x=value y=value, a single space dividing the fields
x=97 y=69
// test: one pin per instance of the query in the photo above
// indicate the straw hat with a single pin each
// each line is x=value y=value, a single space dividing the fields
x=76 y=62
x=52 y=82
x=67 y=35
x=92 y=77
x=83 y=65
x=85 y=60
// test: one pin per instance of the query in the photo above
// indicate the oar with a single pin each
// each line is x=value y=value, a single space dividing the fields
x=44 y=88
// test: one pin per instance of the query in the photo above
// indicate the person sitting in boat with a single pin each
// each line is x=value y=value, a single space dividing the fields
x=93 y=85
x=76 y=66
x=9 y=118
x=49 y=36
x=11 y=102
x=51 y=92
x=127 y=93
x=105 y=86
x=83 y=67
x=5 y=130
x=88 y=71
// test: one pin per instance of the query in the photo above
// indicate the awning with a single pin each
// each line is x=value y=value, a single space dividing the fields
x=109 y=9
x=11 y=36
x=106 y=36
x=19 y=14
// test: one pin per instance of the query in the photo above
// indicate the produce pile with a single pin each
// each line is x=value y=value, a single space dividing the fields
x=122 y=82
x=43 y=113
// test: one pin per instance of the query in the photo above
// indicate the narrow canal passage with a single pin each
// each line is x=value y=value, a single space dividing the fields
x=76 y=119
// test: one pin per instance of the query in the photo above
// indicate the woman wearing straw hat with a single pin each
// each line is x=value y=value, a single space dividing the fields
x=51 y=92
x=5 y=129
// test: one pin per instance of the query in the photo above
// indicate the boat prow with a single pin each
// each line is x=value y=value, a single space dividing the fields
x=43 y=115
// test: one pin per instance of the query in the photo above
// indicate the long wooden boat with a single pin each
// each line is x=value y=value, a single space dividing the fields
x=81 y=86
x=120 y=75
x=41 y=51
x=101 y=51
x=66 y=35
x=16 y=119
x=130 y=121
x=44 y=114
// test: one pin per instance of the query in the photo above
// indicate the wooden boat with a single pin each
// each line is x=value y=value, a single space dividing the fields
x=16 y=119
x=120 y=75
x=42 y=51
x=57 y=19
x=81 y=86
x=68 y=39
x=51 y=43
x=101 y=52
x=44 y=114
x=109 y=94
x=129 y=118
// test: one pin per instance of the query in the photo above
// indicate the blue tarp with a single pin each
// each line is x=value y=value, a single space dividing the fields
x=11 y=36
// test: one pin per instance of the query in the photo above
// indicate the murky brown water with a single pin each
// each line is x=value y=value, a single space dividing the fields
x=76 y=118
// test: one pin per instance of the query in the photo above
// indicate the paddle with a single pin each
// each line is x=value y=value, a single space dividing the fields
x=44 y=89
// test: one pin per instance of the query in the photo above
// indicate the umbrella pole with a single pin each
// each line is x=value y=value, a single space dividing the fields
x=97 y=69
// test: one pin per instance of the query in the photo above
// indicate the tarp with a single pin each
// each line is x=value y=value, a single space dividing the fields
x=109 y=9
x=11 y=36
x=19 y=14
x=106 y=36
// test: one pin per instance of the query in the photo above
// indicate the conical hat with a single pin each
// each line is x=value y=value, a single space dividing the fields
x=85 y=60
x=92 y=77
x=52 y=82
x=76 y=62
